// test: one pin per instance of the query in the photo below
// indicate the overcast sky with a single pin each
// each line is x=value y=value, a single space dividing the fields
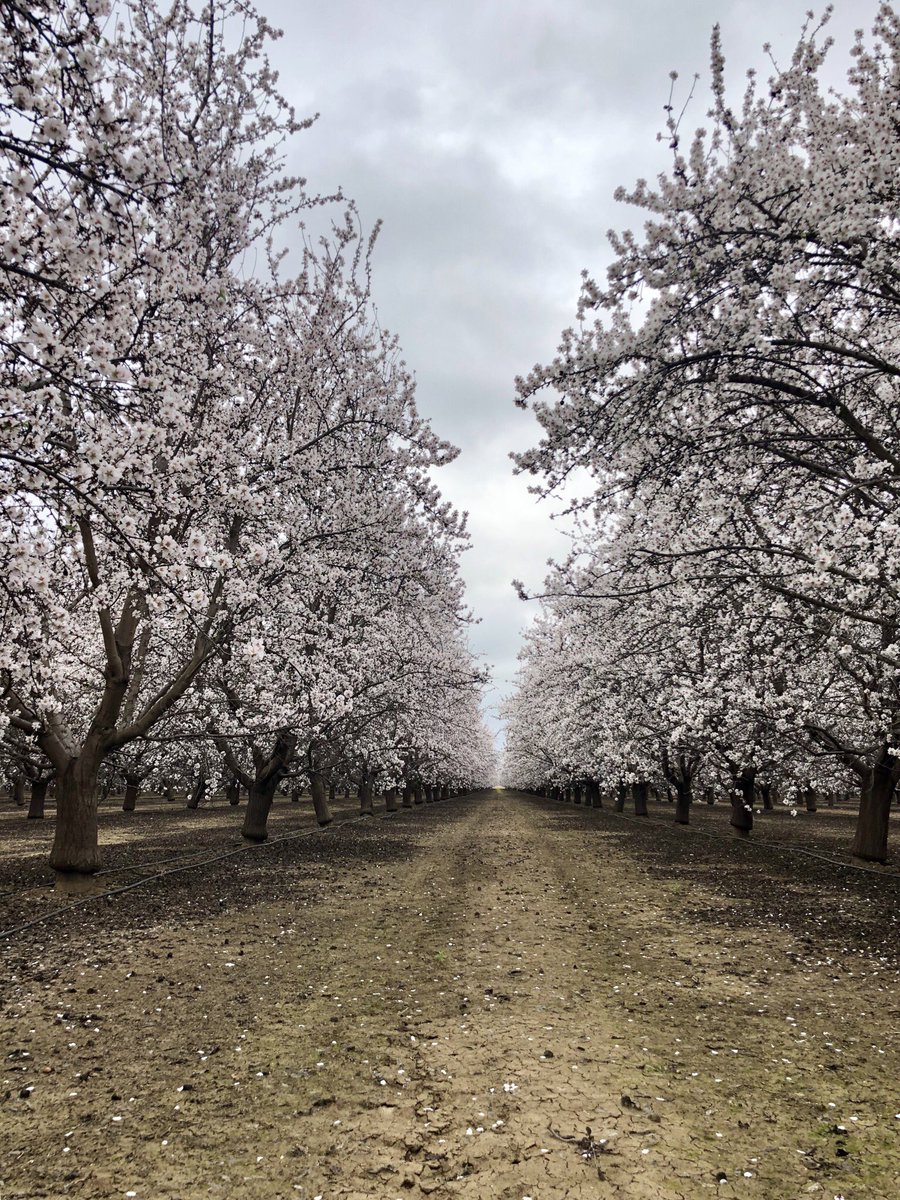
x=490 y=138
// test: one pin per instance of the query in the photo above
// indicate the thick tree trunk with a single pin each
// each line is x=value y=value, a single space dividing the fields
x=233 y=791
x=366 y=789
x=742 y=802
x=683 y=800
x=18 y=791
x=38 y=796
x=810 y=798
x=445 y=792
x=390 y=800
x=593 y=794
x=132 y=784
x=75 y=852
x=319 y=798
x=870 y=842
x=407 y=795
x=418 y=798
x=620 y=797
x=765 y=790
x=640 y=790
x=576 y=793
x=260 y=795
x=332 y=791
x=295 y=795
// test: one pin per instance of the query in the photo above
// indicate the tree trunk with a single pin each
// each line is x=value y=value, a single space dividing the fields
x=390 y=800
x=233 y=791
x=332 y=791
x=742 y=802
x=75 y=852
x=132 y=783
x=260 y=795
x=38 y=796
x=199 y=791
x=871 y=839
x=765 y=790
x=683 y=799
x=592 y=789
x=17 y=792
x=620 y=798
x=407 y=795
x=295 y=795
x=810 y=798
x=319 y=798
x=366 y=808
x=576 y=793
x=418 y=798
x=639 y=790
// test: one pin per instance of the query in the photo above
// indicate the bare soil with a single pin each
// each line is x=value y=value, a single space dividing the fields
x=488 y=997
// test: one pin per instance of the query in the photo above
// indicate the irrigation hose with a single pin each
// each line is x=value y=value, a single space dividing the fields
x=127 y=887
x=750 y=842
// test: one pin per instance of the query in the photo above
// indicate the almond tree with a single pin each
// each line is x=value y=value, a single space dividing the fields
x=142 y=167
x=749 y=404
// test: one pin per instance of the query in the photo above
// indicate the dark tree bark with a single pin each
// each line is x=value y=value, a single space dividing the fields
x=18 y=791
x=75 y=850
x=742 y=801
x=407 y=794
x=198 y=791
x=233 y=791
x=132 y=784
x=683 y=800
x=576 y=793
x=810 y=798
x=620 y=797
x=269 y=771
x=639 y=791
x=870 y=842
x=390 y=800
x=418 y=798
x=38 y=796
x=765 y=791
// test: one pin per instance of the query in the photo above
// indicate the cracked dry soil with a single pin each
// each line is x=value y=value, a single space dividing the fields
x=442 y=1003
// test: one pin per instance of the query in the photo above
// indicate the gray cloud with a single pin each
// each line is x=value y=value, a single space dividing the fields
x=490 y=138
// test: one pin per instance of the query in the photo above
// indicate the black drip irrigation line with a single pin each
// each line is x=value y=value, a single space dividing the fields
x=748 y=842
x=5 y=934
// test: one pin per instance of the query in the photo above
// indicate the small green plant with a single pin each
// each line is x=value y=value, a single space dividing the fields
x=441 y=956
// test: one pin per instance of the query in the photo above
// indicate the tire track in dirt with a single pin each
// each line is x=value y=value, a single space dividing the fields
x=417 y=1003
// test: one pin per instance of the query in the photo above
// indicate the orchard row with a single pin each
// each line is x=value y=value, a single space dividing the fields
x=222 y=549
x=730 y=612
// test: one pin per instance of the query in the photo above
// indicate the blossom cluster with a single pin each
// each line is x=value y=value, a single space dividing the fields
x=221 y=543
x=730 y=610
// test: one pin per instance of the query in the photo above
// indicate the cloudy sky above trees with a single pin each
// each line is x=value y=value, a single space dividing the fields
x=490 y=138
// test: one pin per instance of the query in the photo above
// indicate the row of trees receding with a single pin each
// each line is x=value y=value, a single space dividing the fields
x=731 y=610
x=220 y=536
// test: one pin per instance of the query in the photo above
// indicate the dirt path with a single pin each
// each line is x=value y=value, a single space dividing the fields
x=431 y=1005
